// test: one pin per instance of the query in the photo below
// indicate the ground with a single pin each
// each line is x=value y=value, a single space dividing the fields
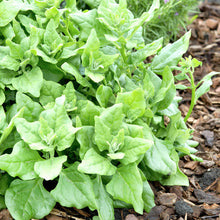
x=201 y=200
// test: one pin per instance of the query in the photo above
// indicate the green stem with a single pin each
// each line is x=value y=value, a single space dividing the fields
x=51 y=153
x=192 y=97
x=123 y=53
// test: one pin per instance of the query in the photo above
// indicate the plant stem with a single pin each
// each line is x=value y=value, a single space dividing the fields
x=51 y=154
x=192 y=97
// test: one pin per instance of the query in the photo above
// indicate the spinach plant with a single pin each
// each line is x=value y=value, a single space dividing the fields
x=167 y=21
x=79 y=106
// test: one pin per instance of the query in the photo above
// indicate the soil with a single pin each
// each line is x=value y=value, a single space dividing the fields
x=201 y=200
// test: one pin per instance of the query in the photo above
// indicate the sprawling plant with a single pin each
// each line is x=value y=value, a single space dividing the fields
x=81 y=107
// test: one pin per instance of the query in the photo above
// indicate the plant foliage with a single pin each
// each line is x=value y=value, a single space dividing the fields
x=80 y=107
x=166 y=22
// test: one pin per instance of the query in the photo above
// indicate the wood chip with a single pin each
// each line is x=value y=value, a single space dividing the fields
x=205 y=197
x=207 y=163
x=167 y=199
x=211 y=23
x=191 y=165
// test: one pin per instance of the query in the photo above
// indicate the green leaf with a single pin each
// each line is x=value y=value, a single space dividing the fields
x=91 y=45
x=20 y=162
x=148 y=86
x=113 y=15
x=127 y=179
x=2 y=97
x=36 y=36
x=73 y=71
x=50 y=91
x=5 y=181
x=96 y=77
x=70 y=95
x=141 y=54
x=93 y=163
x=160 y=152
x=73 y=185
x=134 y=148
x=103 y=201
x=85 y=138
x=10 y=126
x=206 y=83
x=7 y=62
x=7 y=31
x=46 y=132
x=32 y=109
x=29 y=133
x=53 y=13
x=87 y=21
x=176 y=132
x=177 y=178
x=83 y=108
x=50 y=71
x=15 y=49
x=171 y=54
x=103 y=135
x=148 y=196
x=44 y=56
x=133 y=103
x=9 y=10
x=51 y=37
x=116 y=156
x=167 y=91
x=51 y=168
x=30 y=82
x=133 y=130
x=181 y=87
x=2 y=203
x=117 y=141
x=105 y=96
x=18 y=30
x=6 y=76
x=28 y=199
x=112 y=117
x=60 y=122
x=27 y=22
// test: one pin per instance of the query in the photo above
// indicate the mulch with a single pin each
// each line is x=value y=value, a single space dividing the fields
x=201 y=200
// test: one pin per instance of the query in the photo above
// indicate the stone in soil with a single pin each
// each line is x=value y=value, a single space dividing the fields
x=167 y=199
x=207 y=163
x=155 y=213
x=209 y=177
x=209 y=137
x=182 y=208
x=131 y=217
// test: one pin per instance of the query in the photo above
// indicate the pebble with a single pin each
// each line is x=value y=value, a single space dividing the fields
x=209 y=136
x=131 y=217
x=182 y=208
x=207 y=163
x=167 y=199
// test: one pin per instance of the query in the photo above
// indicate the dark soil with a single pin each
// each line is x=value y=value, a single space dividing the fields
x=201 y=200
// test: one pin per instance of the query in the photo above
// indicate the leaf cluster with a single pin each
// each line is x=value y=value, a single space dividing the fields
x=167 y=21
